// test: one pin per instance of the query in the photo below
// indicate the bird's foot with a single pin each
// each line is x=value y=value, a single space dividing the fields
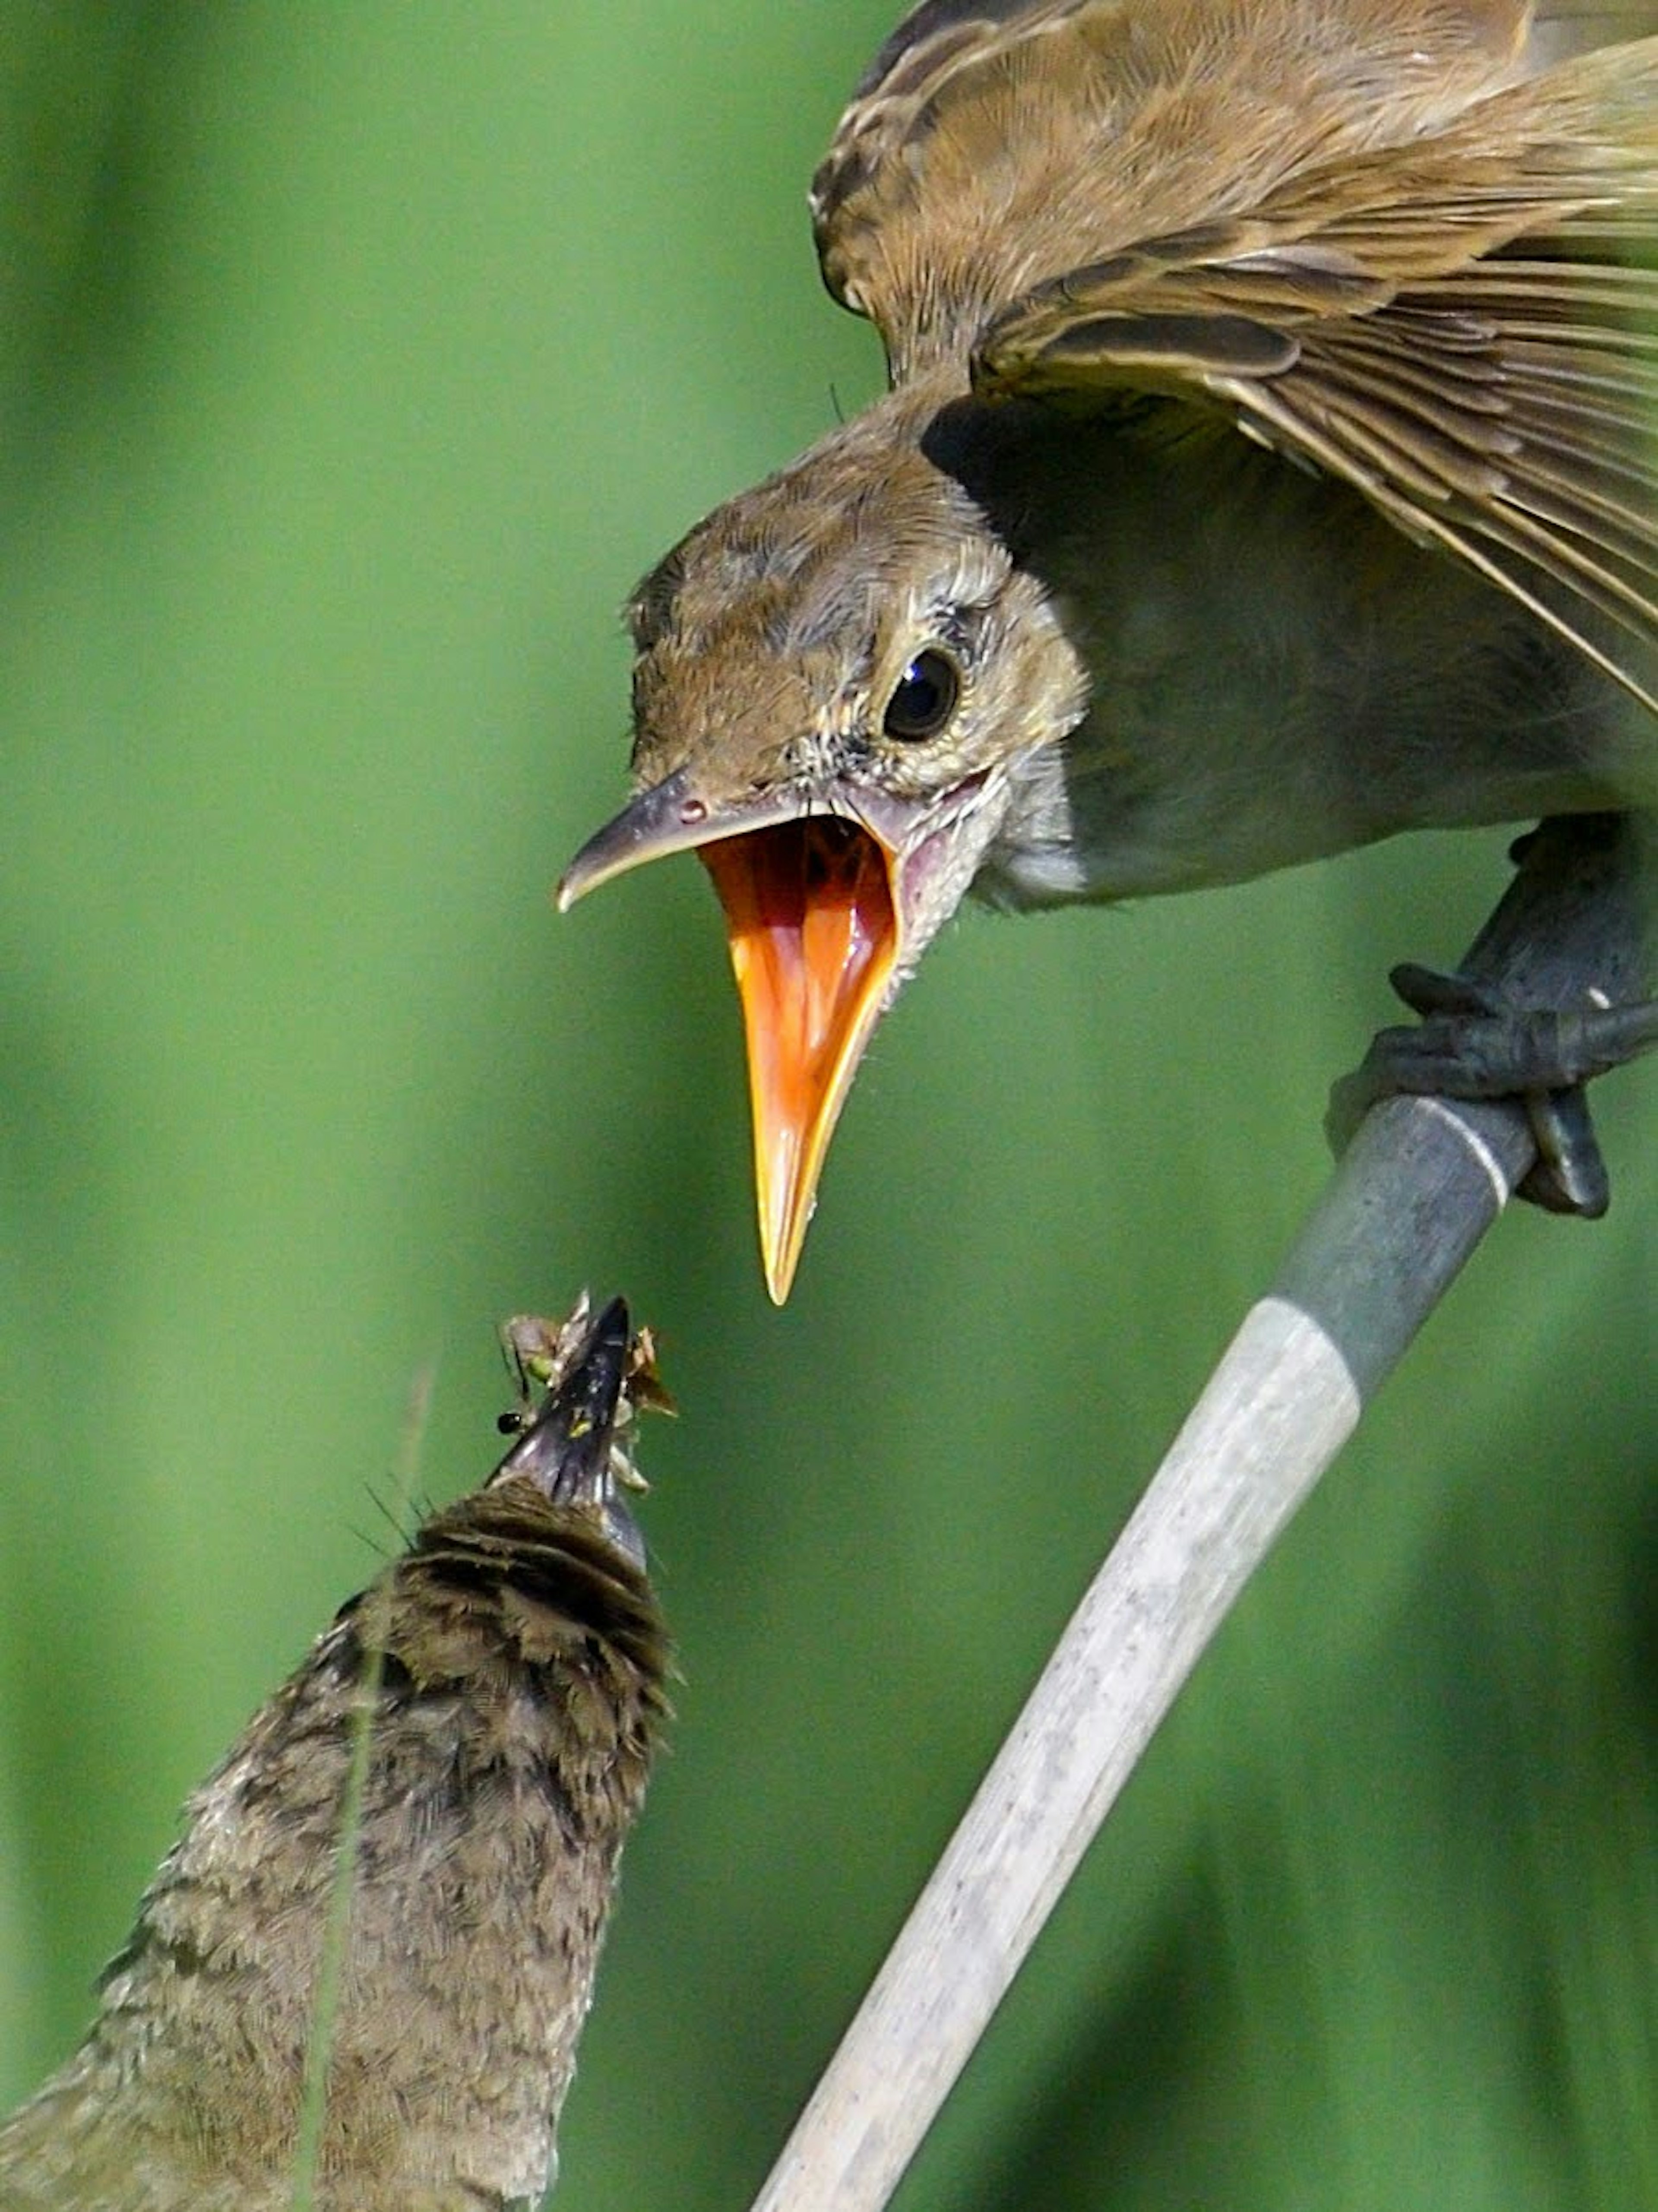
x=1472 y=1042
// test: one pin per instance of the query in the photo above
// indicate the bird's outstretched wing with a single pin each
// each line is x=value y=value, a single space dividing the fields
x=1442 y=316
x=1447 y=325
x=994 y=142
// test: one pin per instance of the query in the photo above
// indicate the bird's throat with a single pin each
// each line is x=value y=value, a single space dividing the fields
x=813 y=931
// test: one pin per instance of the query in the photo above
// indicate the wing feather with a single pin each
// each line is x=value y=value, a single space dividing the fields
x=1451 y=340
x=1388 y=237
x=1479 y=550
x=1151 y=115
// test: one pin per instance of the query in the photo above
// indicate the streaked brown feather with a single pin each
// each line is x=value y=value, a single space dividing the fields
x=1421 y=298
x=1162 y=114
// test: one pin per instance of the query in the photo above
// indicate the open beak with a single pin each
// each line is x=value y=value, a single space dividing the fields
x=813 y=931
x=814 y=925
x=570 y=1448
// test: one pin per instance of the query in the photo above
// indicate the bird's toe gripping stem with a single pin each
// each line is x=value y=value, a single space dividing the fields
x=1472 y=1042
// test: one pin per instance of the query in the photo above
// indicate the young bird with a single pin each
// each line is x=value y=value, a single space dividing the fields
x=512 y=1663
x=1040 y=624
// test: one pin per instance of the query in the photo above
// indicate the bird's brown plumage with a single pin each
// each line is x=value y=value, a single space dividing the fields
x=1365 y=232
x=514 y=1662
x=1040 y=625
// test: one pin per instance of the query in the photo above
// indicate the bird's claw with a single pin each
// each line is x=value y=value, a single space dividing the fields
x=1472 y=1042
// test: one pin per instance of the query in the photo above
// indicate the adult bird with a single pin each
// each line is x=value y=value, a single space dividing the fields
x=1040 y=624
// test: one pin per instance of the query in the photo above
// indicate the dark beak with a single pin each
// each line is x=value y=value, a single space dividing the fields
x=668 y=819
x=566 y=1450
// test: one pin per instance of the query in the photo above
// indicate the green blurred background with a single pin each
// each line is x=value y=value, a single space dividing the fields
x=354 y=361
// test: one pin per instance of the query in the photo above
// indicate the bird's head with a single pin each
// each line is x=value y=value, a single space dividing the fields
x=835 y=674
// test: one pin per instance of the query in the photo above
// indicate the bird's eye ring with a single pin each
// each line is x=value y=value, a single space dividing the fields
x=924 y=697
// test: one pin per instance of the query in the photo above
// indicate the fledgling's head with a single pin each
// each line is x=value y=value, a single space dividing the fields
x=835 y=672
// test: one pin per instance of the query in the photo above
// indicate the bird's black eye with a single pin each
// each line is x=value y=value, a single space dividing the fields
x=924 y=697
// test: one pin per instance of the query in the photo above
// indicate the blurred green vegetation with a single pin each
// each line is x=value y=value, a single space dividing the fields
x=354 y=361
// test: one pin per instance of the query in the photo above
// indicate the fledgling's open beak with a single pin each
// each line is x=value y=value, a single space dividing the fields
x=574 y=1446
x=815 y=924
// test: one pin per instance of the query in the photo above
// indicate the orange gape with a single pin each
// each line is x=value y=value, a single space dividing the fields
x=809 y=915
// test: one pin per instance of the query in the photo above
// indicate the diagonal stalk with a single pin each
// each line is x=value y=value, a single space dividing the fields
x=1422 y=1181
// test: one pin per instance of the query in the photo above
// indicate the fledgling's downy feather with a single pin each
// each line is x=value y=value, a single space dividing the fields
x=513 y=1662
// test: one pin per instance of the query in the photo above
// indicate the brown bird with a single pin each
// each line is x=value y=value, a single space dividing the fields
x=1040 y=625
x=510 y=1668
